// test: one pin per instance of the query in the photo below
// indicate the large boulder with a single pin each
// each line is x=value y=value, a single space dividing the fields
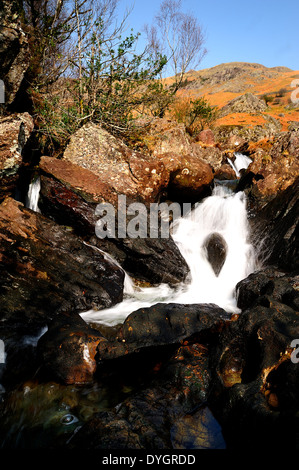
x=15 y=130
x=119 y=168
x=70 y=195
x=189 y=174
x=163 y=325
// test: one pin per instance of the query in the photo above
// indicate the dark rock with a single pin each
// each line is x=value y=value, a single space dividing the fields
x=47 y=269
x=67 y=350
x=275 y=229
x=163 y=325
x=255 y=385
x=216 y=249
x=152 y=417
x=70 y=195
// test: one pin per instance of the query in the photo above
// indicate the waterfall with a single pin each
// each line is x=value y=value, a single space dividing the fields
x=33 y=195
x=222 y=214
x=241 y=162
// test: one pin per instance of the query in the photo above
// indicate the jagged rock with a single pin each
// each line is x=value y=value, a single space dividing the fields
x=216 y=249
x=247 y=103
x=14 y=49
x=14 y=133
x=70 y=194
x=190 y=174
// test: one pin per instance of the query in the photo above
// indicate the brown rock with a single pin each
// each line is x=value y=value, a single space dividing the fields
x=206 y=137
x=277 y=168
x=117 y=167
x=67 y=350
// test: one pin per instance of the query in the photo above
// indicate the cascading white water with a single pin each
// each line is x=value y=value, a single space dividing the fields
x=224 y=213
x=241 y=162
x=33 y=195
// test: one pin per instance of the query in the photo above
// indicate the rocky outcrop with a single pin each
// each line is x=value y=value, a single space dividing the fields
x=247 y=103
x=70 y=194
x=14 y=49
x=14 y=133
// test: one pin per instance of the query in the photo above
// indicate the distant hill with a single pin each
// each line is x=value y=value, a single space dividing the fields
x=225 y=82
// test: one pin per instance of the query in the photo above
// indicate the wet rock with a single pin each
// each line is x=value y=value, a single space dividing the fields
x=275 y=231
x=14 y=133
x=47 y=269
x=150 y=417
x=70 y=195
x=252 y=365
x=216 y=249
x=67 y=350
x=163 y=325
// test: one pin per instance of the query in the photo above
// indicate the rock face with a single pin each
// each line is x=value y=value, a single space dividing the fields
x=43 y=260
x=14 y=49
x=216 y=250
x=277 y=240
x=70 y=194
x=14 y=133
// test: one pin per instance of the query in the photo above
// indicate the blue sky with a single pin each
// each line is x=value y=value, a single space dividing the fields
x=261 y=31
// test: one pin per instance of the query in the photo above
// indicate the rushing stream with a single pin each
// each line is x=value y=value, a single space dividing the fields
x=223 y=213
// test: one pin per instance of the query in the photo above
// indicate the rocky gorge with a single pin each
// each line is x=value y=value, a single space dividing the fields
x=171 y=375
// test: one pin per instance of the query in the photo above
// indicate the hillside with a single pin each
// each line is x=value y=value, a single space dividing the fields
x=225 y=82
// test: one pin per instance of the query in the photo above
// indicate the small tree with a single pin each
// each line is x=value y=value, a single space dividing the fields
x=195 y=114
